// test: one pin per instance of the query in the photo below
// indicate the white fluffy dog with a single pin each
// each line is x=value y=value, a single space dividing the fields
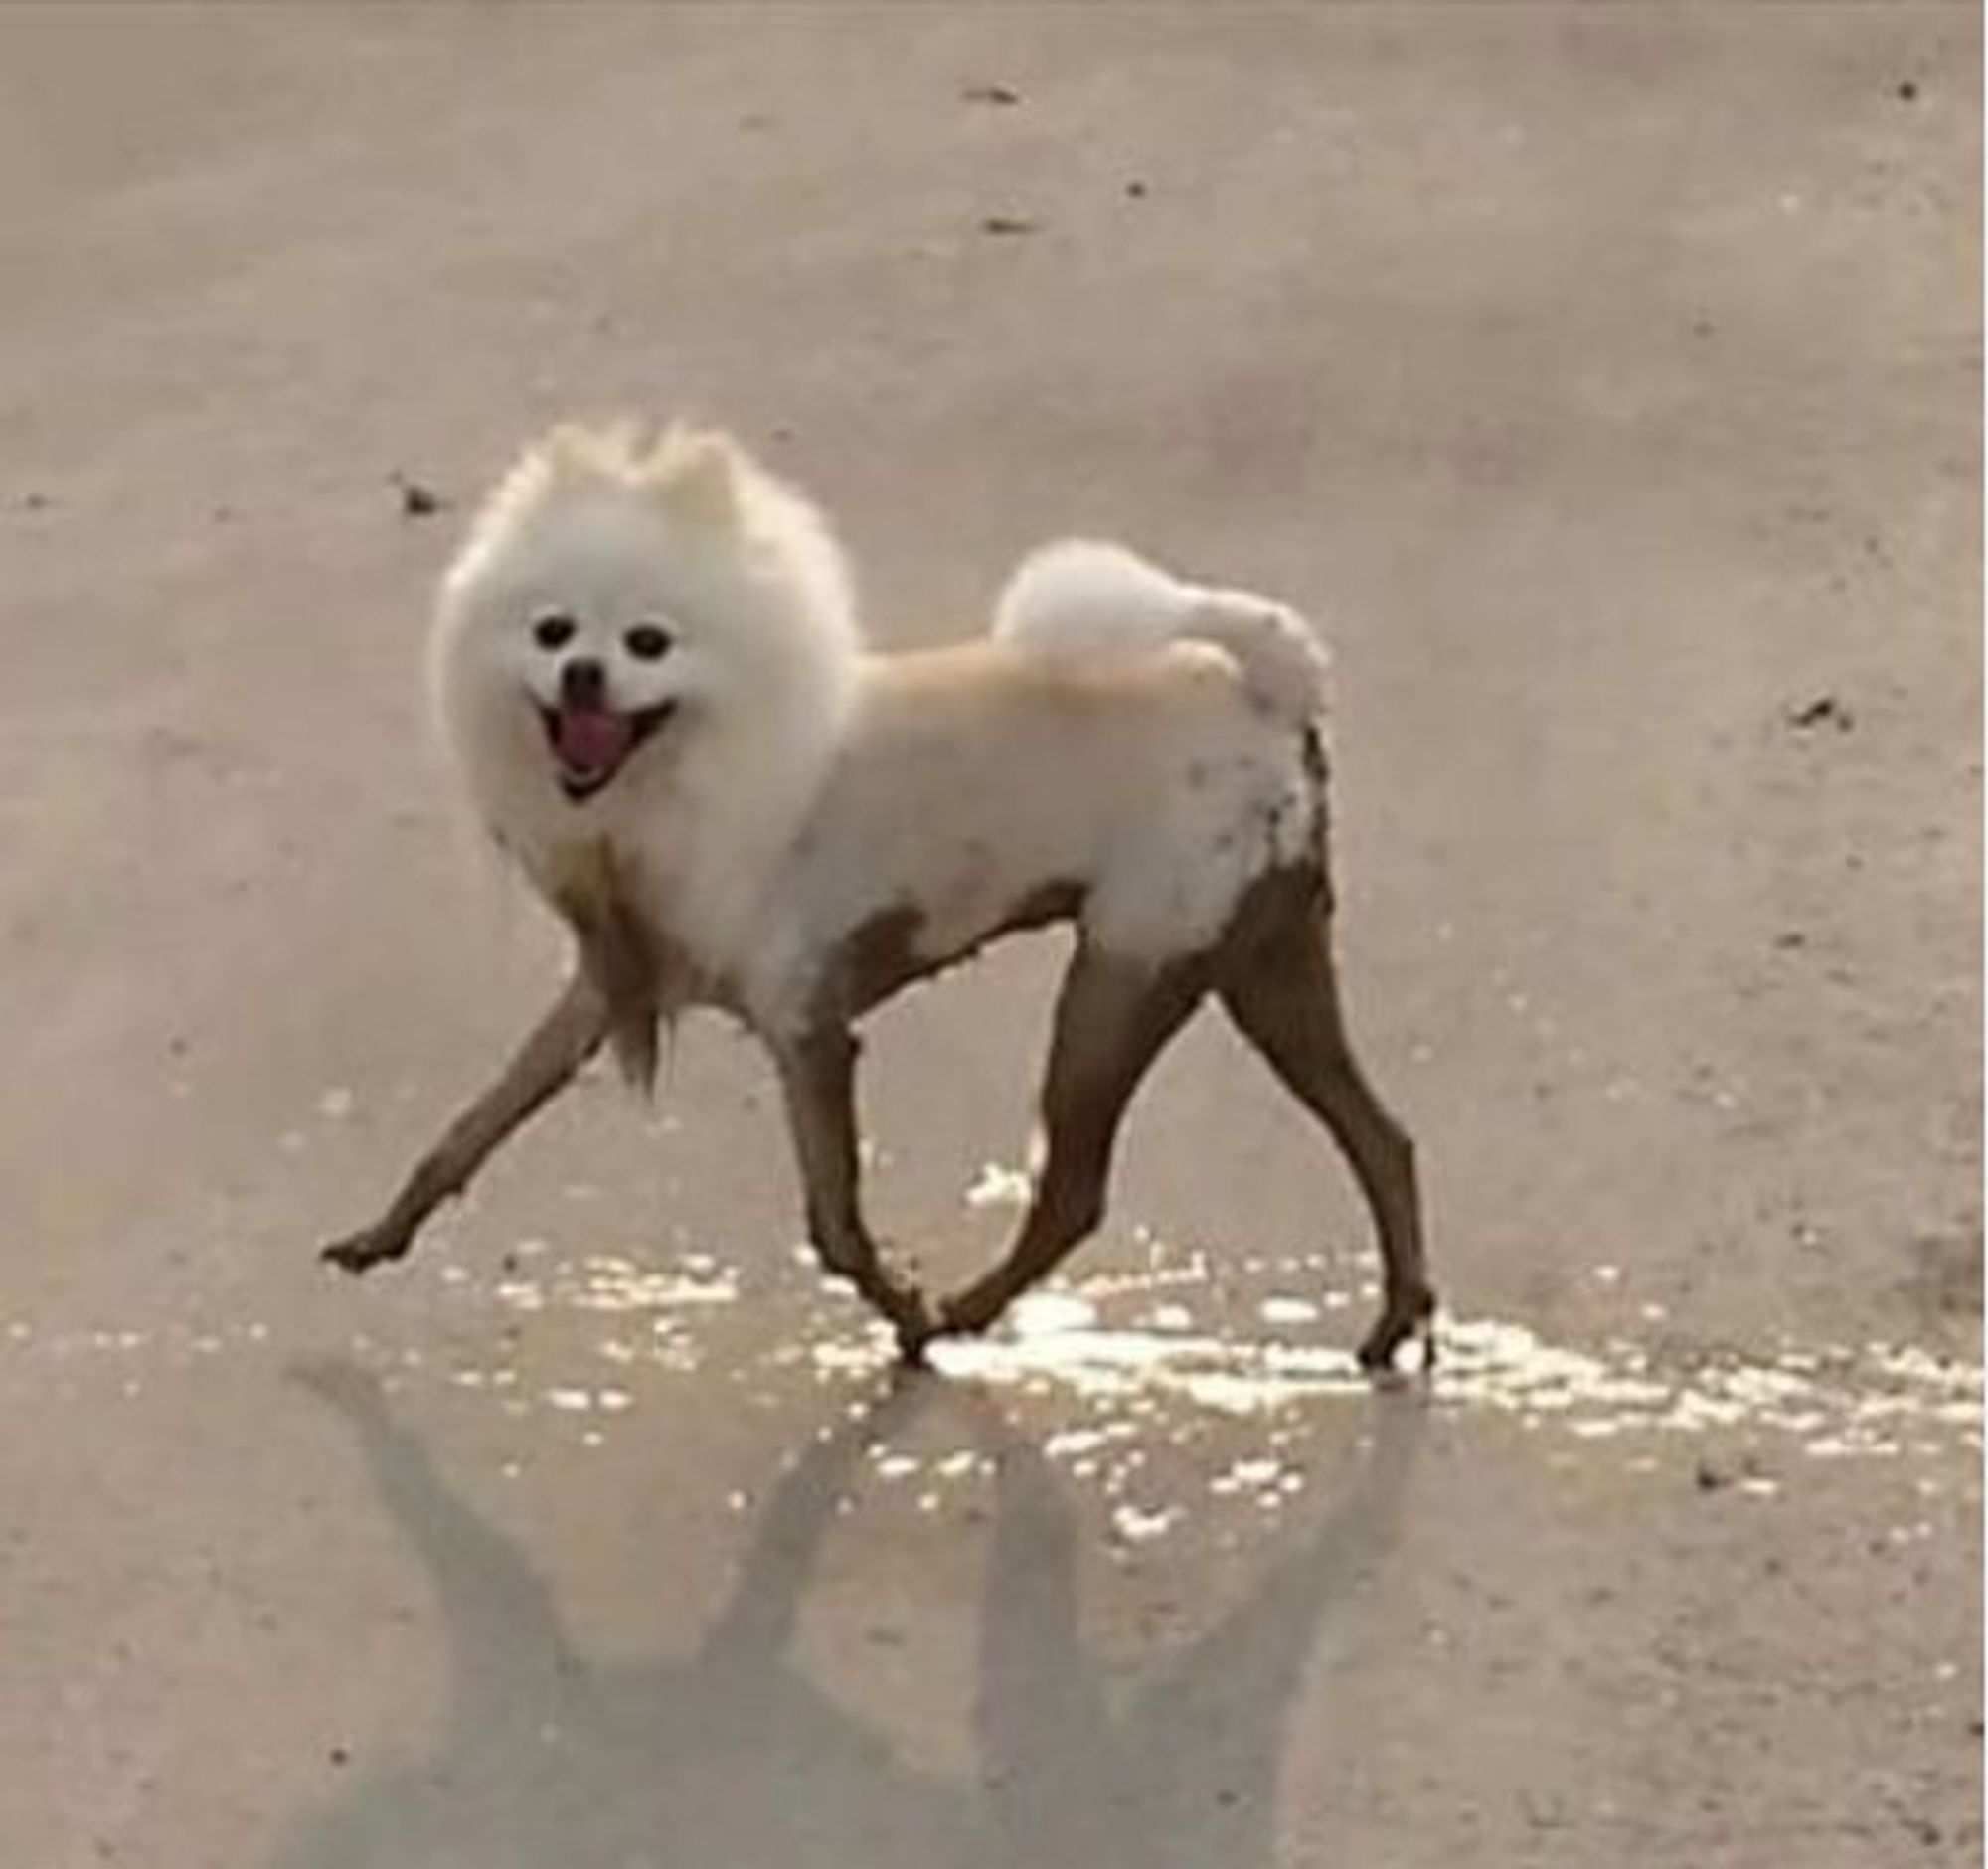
x=648 y=664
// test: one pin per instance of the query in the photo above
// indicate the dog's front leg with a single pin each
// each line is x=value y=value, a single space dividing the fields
x=568 y=1033
x=819 y=1077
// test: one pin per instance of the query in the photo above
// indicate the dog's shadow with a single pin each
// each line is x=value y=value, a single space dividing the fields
x=733 y=1757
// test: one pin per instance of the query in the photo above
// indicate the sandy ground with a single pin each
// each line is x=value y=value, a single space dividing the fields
x=1608 y=376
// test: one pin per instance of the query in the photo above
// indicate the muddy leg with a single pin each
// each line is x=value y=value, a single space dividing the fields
x=819 y=1077
x=1278 y=986
x=568 y=1033
x=1112 y=1017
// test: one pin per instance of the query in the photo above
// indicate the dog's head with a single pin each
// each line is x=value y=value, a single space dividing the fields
x=619 y=600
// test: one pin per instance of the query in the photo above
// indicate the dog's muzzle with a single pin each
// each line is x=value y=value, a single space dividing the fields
x=591 y=738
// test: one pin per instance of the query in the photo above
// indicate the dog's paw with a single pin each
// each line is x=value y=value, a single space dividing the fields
x=1401 y=1319
x=361 y=1252
x=912 y=1324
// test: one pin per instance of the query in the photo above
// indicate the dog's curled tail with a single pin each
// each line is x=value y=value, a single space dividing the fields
x=1087 y=598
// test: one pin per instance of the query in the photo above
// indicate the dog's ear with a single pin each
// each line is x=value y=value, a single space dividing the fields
x=697 y=477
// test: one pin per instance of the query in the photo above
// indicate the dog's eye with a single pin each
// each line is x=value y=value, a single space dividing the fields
x=553 y=632
x=649 y=643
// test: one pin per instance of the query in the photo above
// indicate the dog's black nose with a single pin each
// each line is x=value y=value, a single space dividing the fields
x=583 y=683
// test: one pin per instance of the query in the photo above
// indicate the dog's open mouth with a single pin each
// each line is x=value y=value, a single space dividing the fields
x=592 y=741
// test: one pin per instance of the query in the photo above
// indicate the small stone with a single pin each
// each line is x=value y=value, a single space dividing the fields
x=1709 y=1478
x=417 y=500
x=1007 y=223
x=999 y=94
x=1824 y=710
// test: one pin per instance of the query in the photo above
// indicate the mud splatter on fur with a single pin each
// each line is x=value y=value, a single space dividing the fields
x=643 y=979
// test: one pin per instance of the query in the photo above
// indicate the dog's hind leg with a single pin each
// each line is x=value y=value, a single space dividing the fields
x=1112 y=1018
x=568 y=1033
x=1278 y=983
x=818 y=1078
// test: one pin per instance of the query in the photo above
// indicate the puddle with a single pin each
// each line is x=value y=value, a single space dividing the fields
x=602 y=1282
x=1875 y=1402
x=1135 y=1341
x=1133 y=1366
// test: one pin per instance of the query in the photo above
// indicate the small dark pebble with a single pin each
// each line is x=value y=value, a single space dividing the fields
x=1007 y=223
x=1709 y=1478
x=1824 y=709
x=510 y=1263
x=416 y=500
x=1974 y=1727
x=991 y=94
x=1792 y=938
x=340 y=1756
x=1227 y=1798
x=1137 y=190
x=34 y=501
x=1908 y=92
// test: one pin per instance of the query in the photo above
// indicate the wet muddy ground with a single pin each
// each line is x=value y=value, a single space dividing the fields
x=1608 y=380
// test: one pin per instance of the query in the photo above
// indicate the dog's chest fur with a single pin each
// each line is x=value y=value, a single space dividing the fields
x=642 y=976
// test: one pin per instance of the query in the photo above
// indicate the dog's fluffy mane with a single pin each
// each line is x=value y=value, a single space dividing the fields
x=757 y=566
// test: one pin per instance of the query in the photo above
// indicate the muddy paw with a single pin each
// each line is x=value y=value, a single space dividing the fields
x=912 y=1323
x=1401 y=1319
x=913 y=1339
x=361 y=1252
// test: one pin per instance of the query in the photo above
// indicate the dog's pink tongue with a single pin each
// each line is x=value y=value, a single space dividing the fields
x=592 y=739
